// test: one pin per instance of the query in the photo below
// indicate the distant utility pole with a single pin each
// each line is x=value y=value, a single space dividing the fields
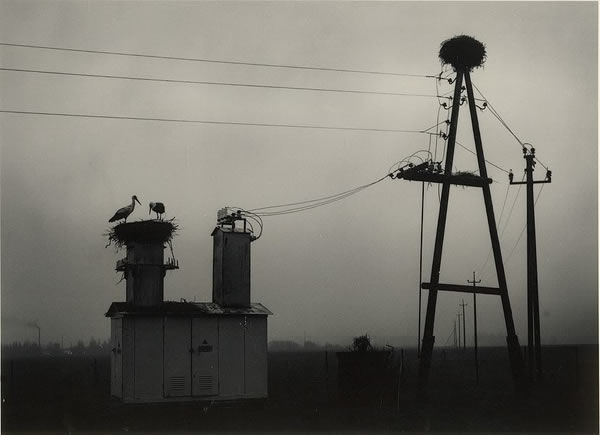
x=39 y=336
x=463 y=305
x=475 y=282
x=459 y=340
x=455 y=342
x=533 y=305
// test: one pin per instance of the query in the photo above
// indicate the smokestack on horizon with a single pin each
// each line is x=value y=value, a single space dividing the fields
x=35 y=325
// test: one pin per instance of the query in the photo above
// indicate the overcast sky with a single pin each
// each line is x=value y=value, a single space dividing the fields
x=332 y=272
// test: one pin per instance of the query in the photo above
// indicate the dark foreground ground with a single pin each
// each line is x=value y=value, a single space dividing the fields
x=71 y=393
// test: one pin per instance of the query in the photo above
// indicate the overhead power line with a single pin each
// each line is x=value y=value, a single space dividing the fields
x=512 y=208
x=295 y=207
x=474 y=153
x=495 y=113
x=201 y=82
x=499 y=221
x=202 y=121
x=498 y=117
x=225 y=62
x=482 y=268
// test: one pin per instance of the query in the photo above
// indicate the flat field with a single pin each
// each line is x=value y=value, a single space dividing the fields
x=72 y=393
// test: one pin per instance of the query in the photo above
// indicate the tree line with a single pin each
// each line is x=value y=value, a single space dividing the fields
x=30 y=348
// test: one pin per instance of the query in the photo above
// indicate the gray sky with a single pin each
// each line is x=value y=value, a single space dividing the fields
x=330 y=273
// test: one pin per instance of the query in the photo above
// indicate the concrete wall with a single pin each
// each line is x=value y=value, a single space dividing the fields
x=116 y=357
x=145 y=274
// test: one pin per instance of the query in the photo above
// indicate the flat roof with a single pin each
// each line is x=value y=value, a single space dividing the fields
x=187 y=309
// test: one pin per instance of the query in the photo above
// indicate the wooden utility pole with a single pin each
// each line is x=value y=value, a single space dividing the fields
x=475 y=282
x=463 y=305
x=534 y=345
x=462 y=64
x=458 y=317
x=455 y=342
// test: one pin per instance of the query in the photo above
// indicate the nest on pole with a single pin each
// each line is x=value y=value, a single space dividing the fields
x=149 y=231
x=463 y=53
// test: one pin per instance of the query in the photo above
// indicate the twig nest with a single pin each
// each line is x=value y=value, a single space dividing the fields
x=149 y=231
x=463 y=53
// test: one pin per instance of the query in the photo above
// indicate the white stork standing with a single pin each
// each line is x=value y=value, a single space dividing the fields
x=122 y=213
x=157 y=207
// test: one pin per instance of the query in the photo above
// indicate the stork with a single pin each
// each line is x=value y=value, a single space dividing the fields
x=123 y=212
x=157 y=207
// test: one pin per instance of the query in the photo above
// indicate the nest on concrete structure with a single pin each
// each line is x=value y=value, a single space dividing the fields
x=148 y=231
x=463 y=53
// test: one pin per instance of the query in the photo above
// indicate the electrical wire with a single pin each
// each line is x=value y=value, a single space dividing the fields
x=433 y=126
x=448 y=339
x=215 y=61
x=482 y=269
x=474 y=153
x=310 y=204
x=256 y=219
x=307 y=207
x=249 y=215
x=429 y=145
x=512 y=207
x=498 y=117
x=535 y=156
x=396 y=166
x=503 y=205
x=198 y=121
x=437 y=136
x=294 y=207
x=209 y=83
x=487 y=258
x=446 y=130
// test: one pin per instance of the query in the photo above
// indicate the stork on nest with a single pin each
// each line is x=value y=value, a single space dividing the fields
x=463 y=52
x=148 y=231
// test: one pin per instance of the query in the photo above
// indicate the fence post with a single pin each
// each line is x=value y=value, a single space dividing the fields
x=11 y=384
x=576 y=368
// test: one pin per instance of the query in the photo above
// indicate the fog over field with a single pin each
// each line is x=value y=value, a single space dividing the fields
x=329 y=273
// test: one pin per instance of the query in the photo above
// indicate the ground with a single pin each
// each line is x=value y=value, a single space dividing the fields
x=69 y=393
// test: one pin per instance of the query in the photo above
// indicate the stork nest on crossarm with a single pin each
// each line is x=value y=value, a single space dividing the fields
x=150 y=231
x=463 y=53
x=465 y=174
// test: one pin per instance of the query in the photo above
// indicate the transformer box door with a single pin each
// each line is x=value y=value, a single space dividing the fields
x=205 y=359
x=178 y=359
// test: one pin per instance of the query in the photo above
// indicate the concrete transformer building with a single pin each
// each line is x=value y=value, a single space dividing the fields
x=179 y=351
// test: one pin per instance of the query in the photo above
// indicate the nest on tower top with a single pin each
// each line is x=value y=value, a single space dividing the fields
x=463 y=53
x=149 y=231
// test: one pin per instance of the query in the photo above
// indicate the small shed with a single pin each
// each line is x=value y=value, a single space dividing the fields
x=179 y=351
